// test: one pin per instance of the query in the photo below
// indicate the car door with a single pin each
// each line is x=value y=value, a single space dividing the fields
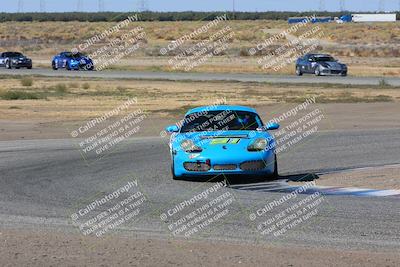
x=303 y=63
x=310 y=64
x=64 y=60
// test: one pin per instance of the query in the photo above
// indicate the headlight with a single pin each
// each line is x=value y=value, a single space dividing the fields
x=188 y=146
x=14 y=61
x=258 y=145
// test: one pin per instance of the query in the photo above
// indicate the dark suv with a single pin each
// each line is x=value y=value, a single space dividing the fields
x=15 y=60
x=320 y=64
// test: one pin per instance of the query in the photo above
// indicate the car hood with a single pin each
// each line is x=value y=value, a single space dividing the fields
x=19 y=58
x=332 y=64
x=227 y=138
x=82 y=58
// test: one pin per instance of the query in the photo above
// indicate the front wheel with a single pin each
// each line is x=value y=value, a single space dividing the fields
x=54 y=66
x=174 y=177
x=298 y=71
x=275 y=174
x=317 y=72
x=8 y=65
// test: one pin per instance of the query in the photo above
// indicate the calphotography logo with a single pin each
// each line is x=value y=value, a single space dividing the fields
x=110 y=211
x=101 y=135
x=188 y=55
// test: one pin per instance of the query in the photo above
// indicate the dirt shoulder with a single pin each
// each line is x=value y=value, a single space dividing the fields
x=387 y=177
x=36 y=122
x=44 y=248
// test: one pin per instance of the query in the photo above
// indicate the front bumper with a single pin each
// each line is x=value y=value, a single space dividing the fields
x=248 y=163
x=327 y=72
x=22 y=64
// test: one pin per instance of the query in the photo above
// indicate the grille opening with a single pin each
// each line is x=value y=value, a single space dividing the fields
x=196 y=166
x=224 y=167
x=253 y=165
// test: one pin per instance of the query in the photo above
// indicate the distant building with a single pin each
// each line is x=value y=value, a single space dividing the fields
x=374 y=17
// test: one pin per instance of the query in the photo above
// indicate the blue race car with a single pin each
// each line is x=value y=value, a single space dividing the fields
x=228 y=140
x=72 y=61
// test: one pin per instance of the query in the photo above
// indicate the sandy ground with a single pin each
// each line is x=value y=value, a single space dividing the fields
x=387 y=177
x=52 y=248
x=384 y=178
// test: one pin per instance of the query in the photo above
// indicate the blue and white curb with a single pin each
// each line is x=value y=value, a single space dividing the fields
x=284 y=187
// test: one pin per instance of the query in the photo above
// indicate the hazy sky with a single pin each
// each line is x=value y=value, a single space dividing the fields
x=196 y=5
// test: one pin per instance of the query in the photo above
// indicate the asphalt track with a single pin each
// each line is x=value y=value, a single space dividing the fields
x=41 y=181
x=173 y=76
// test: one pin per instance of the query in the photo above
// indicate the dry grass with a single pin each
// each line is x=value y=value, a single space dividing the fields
x=376 y=45
x=67 y=99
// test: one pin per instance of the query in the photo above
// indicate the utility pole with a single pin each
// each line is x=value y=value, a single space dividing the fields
x=101 y=5
x=322 y=5
x=42 y=5
x=342 y=5
x=79 y=5
x=233 y=9
x=382 y=5
x=143 y=5
x=20 y=6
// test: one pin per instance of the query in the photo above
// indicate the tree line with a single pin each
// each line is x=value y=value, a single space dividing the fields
x=159 y=16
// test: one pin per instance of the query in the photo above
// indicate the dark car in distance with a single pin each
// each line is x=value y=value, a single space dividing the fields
x=16 y=60
x=320 y=65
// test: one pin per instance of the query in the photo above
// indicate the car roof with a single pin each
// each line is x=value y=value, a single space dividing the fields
x=11 y=52
x=319 y=55
x=221 y=108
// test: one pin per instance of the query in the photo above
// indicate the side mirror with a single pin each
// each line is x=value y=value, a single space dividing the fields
x=272 y=126
x=172 y=129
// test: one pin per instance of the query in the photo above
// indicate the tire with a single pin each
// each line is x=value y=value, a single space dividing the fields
x=174 y=177
x=54 y=66
x=67 y=66
x=29 y=68
x=344 y=74
x=8 y=65
x=275 y=174
x=317 y=71
x=17 y=68
x=298 y=71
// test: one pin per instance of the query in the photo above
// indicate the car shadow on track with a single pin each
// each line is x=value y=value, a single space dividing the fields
x=232 y=180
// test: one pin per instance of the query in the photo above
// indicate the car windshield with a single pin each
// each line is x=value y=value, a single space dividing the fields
x=324 y=58
x=222 y=120
x=75 y=55
x=13 y=54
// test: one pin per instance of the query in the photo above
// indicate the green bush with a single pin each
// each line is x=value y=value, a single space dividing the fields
x=19 y=95
x=383 y=83
x=26 y=81
x=60 y=88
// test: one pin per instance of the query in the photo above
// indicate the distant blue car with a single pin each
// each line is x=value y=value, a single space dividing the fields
x=229 y=140
x=72 y=61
